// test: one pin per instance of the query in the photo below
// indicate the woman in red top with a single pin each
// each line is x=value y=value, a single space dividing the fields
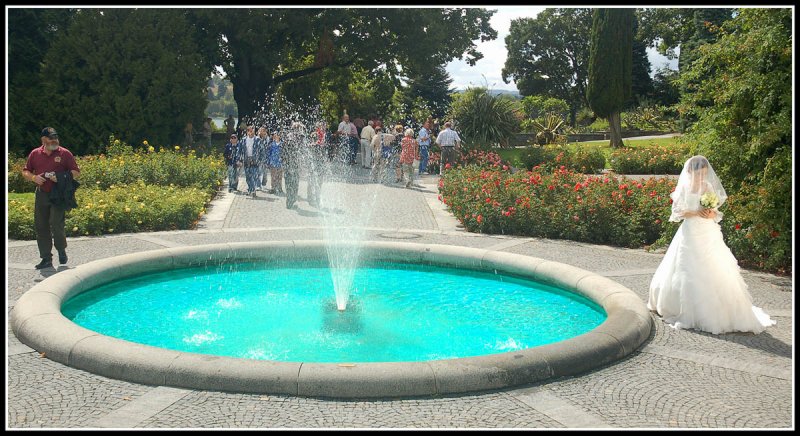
x=409 y=150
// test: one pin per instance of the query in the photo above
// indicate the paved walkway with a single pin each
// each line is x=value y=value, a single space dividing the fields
x=677 y=379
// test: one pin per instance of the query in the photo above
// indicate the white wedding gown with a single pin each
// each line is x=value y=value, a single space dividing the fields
x=698 y=284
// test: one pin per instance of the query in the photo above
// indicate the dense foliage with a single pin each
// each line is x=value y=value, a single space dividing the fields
x=136 y=72
x=549 y=55
x=741 y=94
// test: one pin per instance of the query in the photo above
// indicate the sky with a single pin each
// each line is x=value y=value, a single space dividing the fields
x=487 y=71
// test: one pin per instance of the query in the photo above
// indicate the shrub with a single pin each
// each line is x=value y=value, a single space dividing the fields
x=167 y=166
x=120 y=209
x=17 y=183
x=583 y=159
x=649 y=160
x=560 y=204
x=484 y=120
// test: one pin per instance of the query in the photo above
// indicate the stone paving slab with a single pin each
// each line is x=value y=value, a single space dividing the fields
x=677 y=379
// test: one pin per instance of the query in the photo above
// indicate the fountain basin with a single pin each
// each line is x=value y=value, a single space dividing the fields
x=38 y=322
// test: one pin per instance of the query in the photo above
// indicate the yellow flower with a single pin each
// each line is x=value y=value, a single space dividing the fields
x=110 y=230
x=101 y=215
x=150 y=148
x=177 y=147
x=146 y=143
x=127 y=209
x=139 y=222
x=75 y=229
x=116 y=142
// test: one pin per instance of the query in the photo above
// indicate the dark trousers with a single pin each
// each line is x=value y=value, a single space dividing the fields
x=292 y=181
x=49 y=223
x=353 y=152
x=448 y=157
x=252 y=178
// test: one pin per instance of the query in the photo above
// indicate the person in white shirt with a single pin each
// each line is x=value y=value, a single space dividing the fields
x=382 y=150
x=451 y=144
x=344 y=133
x=367 y=133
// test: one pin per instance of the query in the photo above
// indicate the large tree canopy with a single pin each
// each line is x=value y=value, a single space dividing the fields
x=132 y=72
x=259 y=49
x=31 y=32
x=548 y=55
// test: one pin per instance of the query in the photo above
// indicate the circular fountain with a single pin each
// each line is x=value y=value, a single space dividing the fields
x=38 y=321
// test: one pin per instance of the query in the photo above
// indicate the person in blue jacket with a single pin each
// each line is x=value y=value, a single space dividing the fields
x=229 y=153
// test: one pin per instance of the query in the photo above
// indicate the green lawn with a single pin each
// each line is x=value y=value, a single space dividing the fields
x=512 y=154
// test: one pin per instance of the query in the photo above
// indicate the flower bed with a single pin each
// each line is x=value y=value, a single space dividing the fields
x=561 y=204
x=126 y=191
x=119 y=209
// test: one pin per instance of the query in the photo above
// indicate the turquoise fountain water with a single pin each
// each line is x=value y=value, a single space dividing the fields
x=284 y=312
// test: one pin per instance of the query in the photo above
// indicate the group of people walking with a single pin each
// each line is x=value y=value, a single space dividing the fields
x=281 y=156
x=278 y=156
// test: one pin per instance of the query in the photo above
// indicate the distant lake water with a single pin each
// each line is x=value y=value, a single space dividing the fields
x=220 y=122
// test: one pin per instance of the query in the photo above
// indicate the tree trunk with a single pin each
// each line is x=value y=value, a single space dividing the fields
x=250 y=87
x=615 y=129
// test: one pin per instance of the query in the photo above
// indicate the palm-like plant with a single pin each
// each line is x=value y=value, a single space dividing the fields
x=484 y=120
x=547 y=129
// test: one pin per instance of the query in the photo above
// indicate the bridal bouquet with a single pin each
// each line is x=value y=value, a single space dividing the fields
x=709 y=200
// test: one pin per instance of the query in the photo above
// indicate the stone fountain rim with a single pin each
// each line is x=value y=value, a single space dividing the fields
x=37 y=321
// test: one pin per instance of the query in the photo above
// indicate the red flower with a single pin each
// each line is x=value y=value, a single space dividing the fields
x=738 y=226
x=447 y=166
x=479 y=219
x=575 y=217
x=505 y=167
x=774 y=234
x=577 y=187
x=629 y=193
x=551 y=187
x=658 y=221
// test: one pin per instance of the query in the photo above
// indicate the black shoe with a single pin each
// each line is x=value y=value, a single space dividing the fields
x=45 y=263
x=62 y=256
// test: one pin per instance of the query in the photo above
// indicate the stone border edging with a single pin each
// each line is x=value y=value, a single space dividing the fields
x=37 y=321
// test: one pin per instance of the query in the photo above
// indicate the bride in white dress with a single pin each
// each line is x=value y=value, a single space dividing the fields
x=698 y=284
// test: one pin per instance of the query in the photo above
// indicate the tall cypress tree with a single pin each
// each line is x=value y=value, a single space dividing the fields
x=610 y=66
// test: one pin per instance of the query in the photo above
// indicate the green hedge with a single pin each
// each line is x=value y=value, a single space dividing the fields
x=583 y=159
x=650 y=160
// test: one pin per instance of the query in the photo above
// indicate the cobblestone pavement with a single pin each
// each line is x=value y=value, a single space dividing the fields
x=677 y=379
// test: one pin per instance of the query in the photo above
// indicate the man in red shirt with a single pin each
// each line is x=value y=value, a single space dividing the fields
x=46 y=166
